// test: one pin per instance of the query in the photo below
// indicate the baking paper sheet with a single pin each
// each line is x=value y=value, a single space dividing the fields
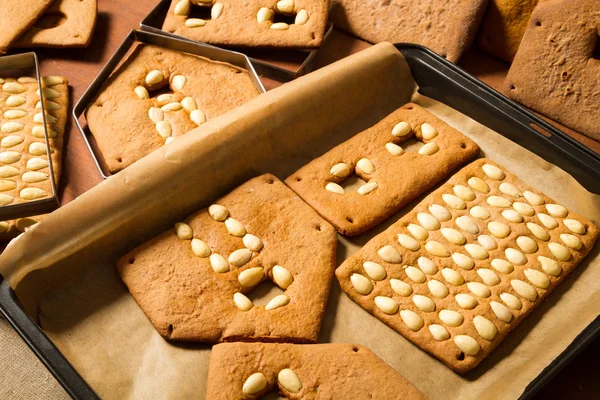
x=63 y=269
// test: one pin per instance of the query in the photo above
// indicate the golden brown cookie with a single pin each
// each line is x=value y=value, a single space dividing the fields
x=16 y=17
x=393 y=177
x=159 y=93
x=23 y=153
x=57 y=106
x=315 y=371
x=252 y=23
x=463 y=269
x=66 y=23
x=503 y=27
x=192 y=281
x=445 y=26
x=556 y=71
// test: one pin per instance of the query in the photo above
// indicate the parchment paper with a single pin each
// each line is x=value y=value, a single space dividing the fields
x=63 y=269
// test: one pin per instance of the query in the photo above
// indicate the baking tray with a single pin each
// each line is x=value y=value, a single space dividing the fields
x=439 y=79
x=154 y=21
x=173 y=43
x=22 y=65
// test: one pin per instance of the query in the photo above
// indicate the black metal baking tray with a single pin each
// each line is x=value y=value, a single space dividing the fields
x=439 y=79
x=23 y=65
x=154 y=21
x=174 y=43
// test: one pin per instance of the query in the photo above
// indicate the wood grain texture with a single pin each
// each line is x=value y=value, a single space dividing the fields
x=115 y=19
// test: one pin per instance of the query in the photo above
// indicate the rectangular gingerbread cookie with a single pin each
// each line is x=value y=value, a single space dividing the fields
x=57 y=107
x=556 y=71
x=393 y=176
x=66 y=23
x=16 y=17
x=252 y=23
x=193 y=281
x=158 y=94
x=445 y=26
x=468 y=264
x=24 y=169
x=314 y=371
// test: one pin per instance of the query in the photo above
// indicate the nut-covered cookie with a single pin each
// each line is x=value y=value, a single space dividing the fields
x=252 y=23
x=556 y=71
x=57 y=107
x=445 y=26
x=66 y=23
x=463 y=269
x=16 y=17
x=503 y=27
x=193 y=281
x=158 y=94
x=314 y=371
x=392 y=177
x=24 y=169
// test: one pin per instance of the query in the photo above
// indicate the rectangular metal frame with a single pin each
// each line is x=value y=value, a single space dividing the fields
x=46 y=204
x=154 y=21
x=173 y=43
x=443 y=81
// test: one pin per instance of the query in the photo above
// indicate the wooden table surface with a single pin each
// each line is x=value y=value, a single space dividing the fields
x=115 y=19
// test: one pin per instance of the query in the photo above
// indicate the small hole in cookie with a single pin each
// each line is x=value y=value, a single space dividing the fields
x=564 y=75
x=132 y=261
x=119 y=159
x=289 y=19
x=460 y=356
x=349 y=219
x=270 y=181
x=443 y=55
x=538 y=23
x=170 y=330
x=100 y=105
x=298 y=179
x=596 y=52
x=318 y=227
x=202 y=12
x=409 y=108
x=512 y=87
x=463 y=146
x=312 y=34
x=355 y=349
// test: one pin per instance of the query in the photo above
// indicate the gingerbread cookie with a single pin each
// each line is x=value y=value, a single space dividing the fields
x=393 y=177
x=24 y=169
x=556 y=71
x=252 y=23
x=157 y=94
x=16 y=17
x=445 y=26
x=208 y=264
x=463 y=269
x=66 y=23
x=315 y=371
x=503 y=27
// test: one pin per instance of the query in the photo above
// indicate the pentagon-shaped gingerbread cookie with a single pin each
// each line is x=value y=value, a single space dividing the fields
x=463 y=269
x=314 y=371
x=251 y=23
x=192 y=281
x=392 y=176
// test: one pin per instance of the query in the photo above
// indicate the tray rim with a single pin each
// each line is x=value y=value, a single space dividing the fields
x=76 y=386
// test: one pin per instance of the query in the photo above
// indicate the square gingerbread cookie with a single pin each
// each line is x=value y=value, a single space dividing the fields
x=445 y=26
x=193 y=281
x=314 y=371
x=158 y=94
x=393 y=177
x=252 y=23
x=556 y=71
x=468 y=264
